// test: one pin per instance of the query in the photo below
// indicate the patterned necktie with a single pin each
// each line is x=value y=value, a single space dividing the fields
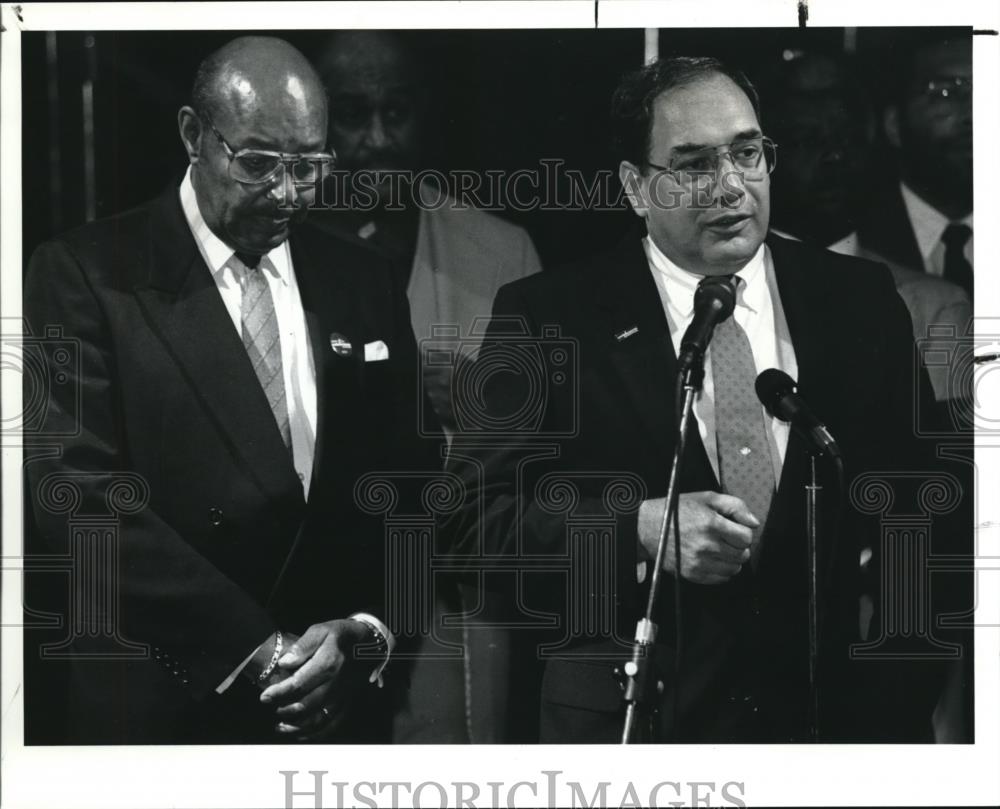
x=957 y=268
x=745 y=468
x=262 y=342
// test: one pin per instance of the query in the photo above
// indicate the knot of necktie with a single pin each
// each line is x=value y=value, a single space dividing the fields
x=956 y=235
x=714 y=279
x=706 y=285
x=249 y=260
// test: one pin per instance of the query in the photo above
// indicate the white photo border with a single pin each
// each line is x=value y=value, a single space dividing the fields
x=104 y=777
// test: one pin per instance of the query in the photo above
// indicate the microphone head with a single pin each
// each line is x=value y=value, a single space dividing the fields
x=717 y=292
x=772 y=386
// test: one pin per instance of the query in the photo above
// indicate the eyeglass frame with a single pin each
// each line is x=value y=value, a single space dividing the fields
x=727 y=152
x=284 y=158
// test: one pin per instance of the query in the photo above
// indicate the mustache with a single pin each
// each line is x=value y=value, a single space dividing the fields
x=285 y=209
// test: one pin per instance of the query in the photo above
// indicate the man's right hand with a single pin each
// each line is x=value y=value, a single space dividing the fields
x=716 y=533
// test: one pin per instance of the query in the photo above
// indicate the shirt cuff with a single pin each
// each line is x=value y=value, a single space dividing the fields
x=390 y=642
x=221 y=688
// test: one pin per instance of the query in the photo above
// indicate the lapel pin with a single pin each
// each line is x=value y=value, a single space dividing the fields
x=624 y=335
x=341 y=345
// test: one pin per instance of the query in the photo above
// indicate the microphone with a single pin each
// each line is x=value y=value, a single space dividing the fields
x=777 y=392
x=714 y=301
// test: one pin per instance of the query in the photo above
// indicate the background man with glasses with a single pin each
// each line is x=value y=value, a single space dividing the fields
x=696 y=166
x=919 y=213
x=247 y=370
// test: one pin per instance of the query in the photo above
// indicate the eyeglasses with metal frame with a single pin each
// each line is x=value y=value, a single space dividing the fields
x=747 y=157
x=258 y=166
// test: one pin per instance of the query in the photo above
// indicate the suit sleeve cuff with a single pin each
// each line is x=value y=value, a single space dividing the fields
x=380 y=630
x=221 y=687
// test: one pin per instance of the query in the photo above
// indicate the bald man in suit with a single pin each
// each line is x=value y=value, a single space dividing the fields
x=249 y=370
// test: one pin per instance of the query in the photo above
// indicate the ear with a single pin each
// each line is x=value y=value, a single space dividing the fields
x=191 y=130
x=631 y=179
x=890 y=125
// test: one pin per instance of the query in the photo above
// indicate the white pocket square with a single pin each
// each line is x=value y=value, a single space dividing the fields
x=376 y=352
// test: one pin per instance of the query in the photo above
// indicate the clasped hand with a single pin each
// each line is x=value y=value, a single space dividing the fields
x=313 y=682
x=716 y=534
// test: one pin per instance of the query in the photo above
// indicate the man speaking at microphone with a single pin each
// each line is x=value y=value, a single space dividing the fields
x=695 y=163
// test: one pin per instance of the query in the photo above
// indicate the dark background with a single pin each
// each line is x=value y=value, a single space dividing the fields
x=504 y=99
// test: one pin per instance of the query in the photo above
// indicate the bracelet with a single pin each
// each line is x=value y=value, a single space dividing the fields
x=382 y=642
x=274 y=658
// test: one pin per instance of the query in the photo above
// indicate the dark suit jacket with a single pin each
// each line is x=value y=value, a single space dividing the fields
x=227 y=548
x=607 y=430
x=884 y=226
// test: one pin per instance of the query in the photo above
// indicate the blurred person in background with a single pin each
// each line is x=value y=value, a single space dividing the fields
x=451 y=259
x=920 y=216
x=822 y=124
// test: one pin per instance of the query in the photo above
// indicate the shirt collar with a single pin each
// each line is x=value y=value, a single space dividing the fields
x=216 y=252
x=681 y=284
x=928 y=222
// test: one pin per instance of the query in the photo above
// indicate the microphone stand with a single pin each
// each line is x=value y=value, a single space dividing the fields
x=639 y=674
x=813 y=490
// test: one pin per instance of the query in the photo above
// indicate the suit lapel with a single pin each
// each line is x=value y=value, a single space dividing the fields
x=184 y=307
x=804 y=303
x=635 y=330
x=330 y=314
x=632 y=323
x=795 y=301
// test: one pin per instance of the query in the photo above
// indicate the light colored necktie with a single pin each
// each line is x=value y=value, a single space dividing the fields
x=745 y=468
x=263 y=343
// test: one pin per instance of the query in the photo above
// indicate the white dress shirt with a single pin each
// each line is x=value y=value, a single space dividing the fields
x=758 y=312
x=928 y=226
x=297 y=365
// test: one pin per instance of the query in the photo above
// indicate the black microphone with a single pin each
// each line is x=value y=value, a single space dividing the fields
x=777 y=392
x=714 y=301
